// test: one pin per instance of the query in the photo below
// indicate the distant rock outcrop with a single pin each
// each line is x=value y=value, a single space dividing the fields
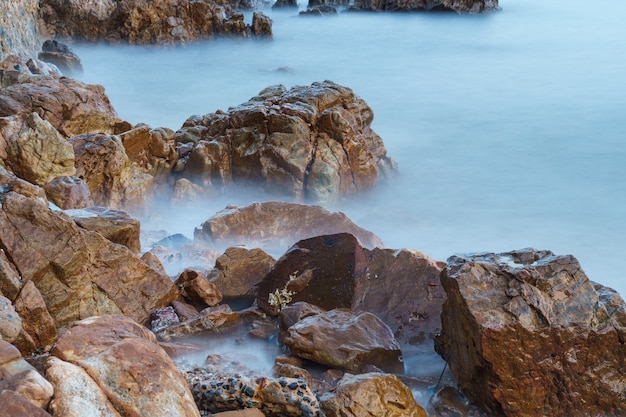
x=526 y=333
x=459 y=6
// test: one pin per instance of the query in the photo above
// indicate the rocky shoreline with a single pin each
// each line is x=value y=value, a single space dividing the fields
x=99 y=317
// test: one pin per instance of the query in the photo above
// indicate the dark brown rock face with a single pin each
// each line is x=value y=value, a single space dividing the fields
x=311 y=142
x=275 y=225
x=459 y=6
x=141 y=21
x=527 y=334
x=335 y=271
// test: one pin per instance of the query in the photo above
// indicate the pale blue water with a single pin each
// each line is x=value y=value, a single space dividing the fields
x=509 y=128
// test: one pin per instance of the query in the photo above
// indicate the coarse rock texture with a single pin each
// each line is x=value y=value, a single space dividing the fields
x=13 y=404
x=197 y=290
x=142 y=21
x=71 y=106
x=289 y=397
x=210 y=320
x=30 y=385
x=371 y=394
x=10 y=321
x=459 y=6
x=310 y=142
x=36 y=320
x=19 y=28
x=11 y=361
x=68 y=192
x=62 y=56
x=153 y=150
x=10 y=280
x=238 y=270
x=335 y=271
x=34 y=150
x=526 y=333
x=115 y=225
x=78 y=272
x=345 y=339
x=124 y=359
x=277 y=225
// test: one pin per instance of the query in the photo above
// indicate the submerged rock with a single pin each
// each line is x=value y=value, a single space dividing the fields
x=527 y=333
x=459 y=6
x=61 y=55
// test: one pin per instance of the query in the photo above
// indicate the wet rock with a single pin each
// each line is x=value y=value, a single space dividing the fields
x=319 y=11
x=36 y=319
x=140 y=21
x=19 y=28
x=238 y=270
x=30 y=385
x=210 y=320
x=371 y=394
x=10 y=321
x=527 y=333
x=68 y=192
x=75 y=393
x=14 y=405
x=78 y=272
x=459 y=6
x=345 y=339
x=70 y=106
x=197 y=290
x=162 y=318
x=310 y=142
x=284 y=4
x=124 y=359
x=34 y=150
x=277 y=225
x=115 y=225
x=61 y=55
x=261 y=25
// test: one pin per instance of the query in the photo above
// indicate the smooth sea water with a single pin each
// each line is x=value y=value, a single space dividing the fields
x=509 y=128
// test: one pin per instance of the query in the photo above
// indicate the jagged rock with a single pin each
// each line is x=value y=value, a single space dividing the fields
x=10 y=281
x=11 y=361
x=238 y=270
x=319 y=10
x=210 y=320
x=78 y=272
x=124 y=359
x=261 y=25
x=162 y=318
x=19 y=28
x=34 y=150
x=184 y=311
x=61 y=55
x=335 y=271
x=371 y=394
x=459 y=6
x=10 y=321
x=311 y=142
x=141 y=21
x=197 y=290
x=116 y=225
x=14 y=405
x=345 y=339
x=277 y=225
x=75 y=393
x=71 y=106
x=283 y=4
x=151 y=149
x=68 y=192
x=527 y=333
x=30 y=385
x=36 y=319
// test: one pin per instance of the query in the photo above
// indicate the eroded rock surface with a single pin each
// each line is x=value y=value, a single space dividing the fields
x=527 y=333
x=19 y=28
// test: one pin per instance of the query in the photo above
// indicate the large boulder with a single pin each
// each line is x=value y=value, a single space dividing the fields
x=526 y=333
x=10 y=321
x=277 y=225
x=78 y=272
x=311 y=142
x=151 y=149
x=30 y=385
x=36 y=319
x=19 y=28
x=371 y=394
x=459 y=6
x=15 y=405
x=68 y=192
x=124 y=359
x=345 y=339
x=141 y=21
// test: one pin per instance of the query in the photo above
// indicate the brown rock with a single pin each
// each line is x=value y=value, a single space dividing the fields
x=311 y=142
x=261 y=25
x=210 y=320
x=248 y=412
x=344 y=339
x=71 y=106
x=124 y=359
x=184 y=311
x=238 y=270
x=196 y=289
x=11 y=361
x=30 y=385
x=371 y=394
x=35 y=151
x=10 y=321
x=14 y=405
x=116 y=225
x=277 y=225
x=10 y=281
x=78 y=272
x=151 y=149
x=36 y=320
x=76 y=394
x=68 y=192
x=61 y=55
x=186 y=194
x=526 y=333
